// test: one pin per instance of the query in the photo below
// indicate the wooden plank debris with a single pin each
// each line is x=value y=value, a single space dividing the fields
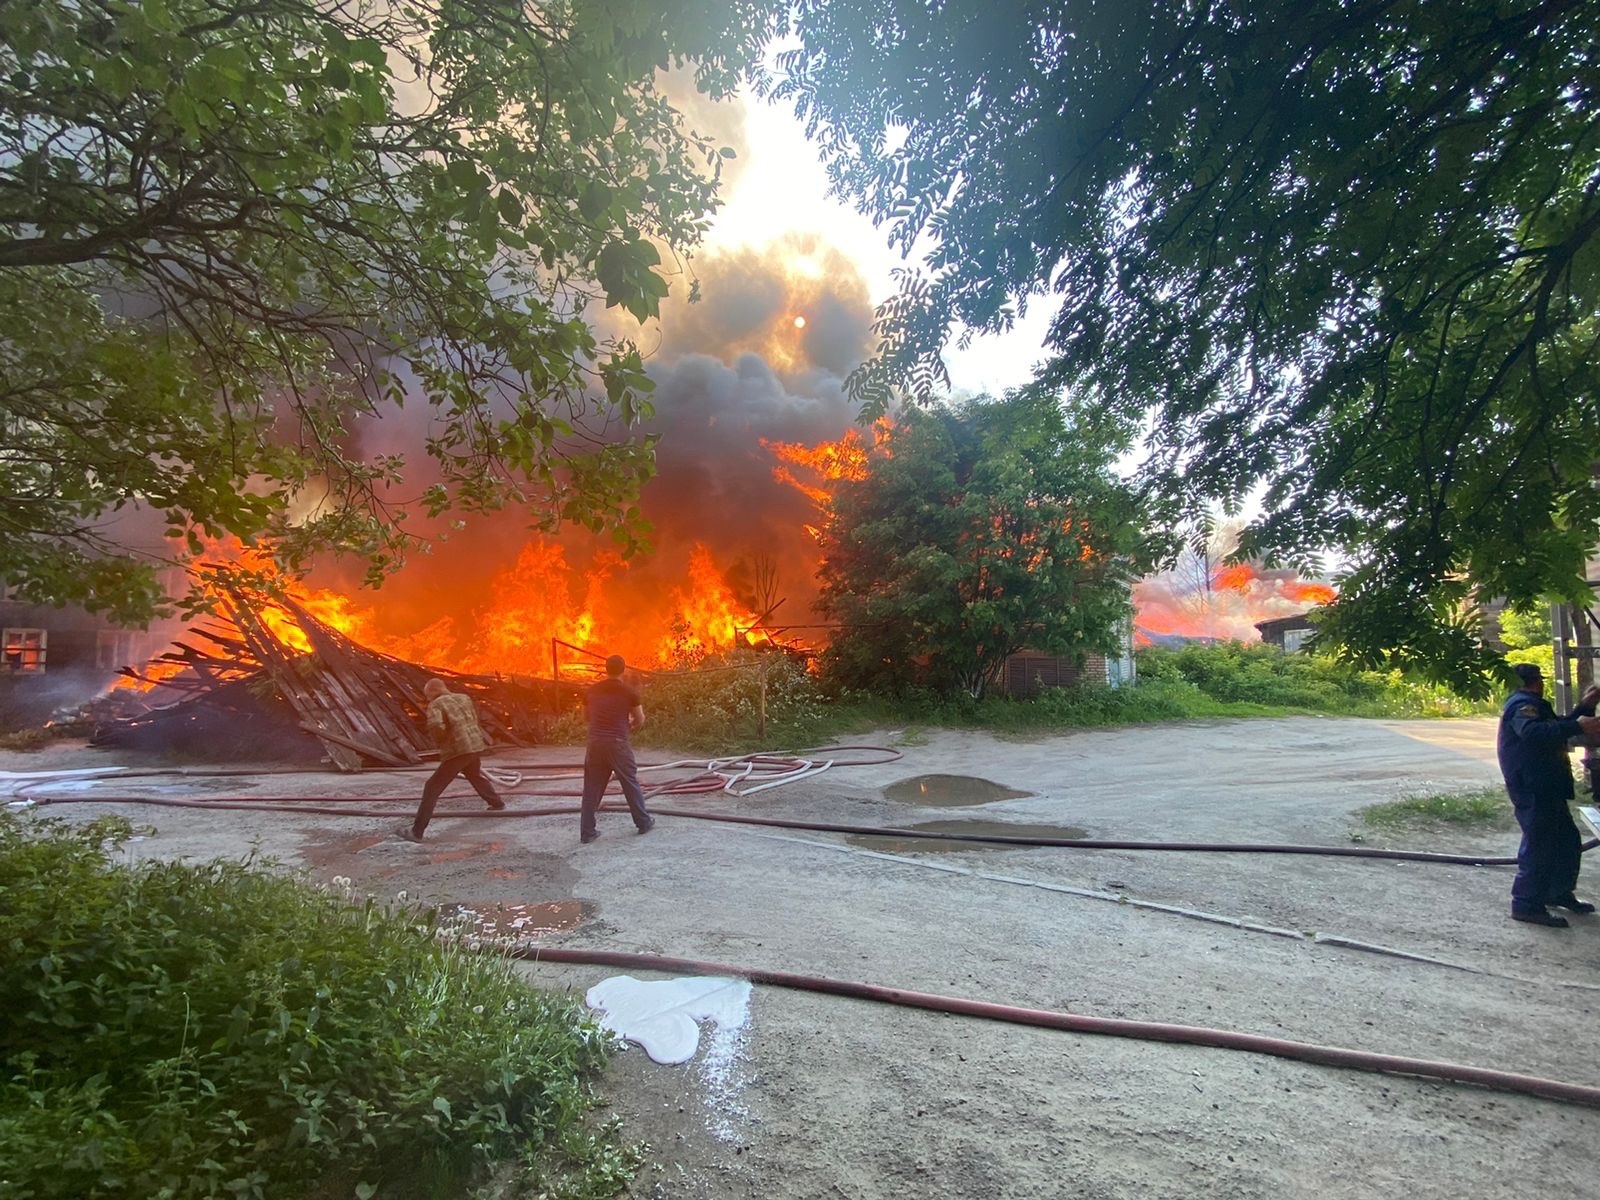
x=363 y=706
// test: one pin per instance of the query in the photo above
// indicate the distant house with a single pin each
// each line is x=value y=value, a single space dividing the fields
x=1028 y=672
x=1288 y=634
x=50 y=657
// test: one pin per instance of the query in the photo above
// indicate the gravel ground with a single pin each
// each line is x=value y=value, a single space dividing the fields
x=830 y=1097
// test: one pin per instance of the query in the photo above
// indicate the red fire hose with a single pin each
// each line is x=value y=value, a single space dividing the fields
x=345 y=806
x=1150 y=1031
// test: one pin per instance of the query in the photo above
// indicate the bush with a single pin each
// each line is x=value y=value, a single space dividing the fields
x=175 y=1030
x=715 y=706
x=1260 y=675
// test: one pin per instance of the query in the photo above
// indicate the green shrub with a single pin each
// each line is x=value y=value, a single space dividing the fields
x=1236 y=673
x=175 y=1030
x=715 y=707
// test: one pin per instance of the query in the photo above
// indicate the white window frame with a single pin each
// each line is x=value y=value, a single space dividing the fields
x=24 y=640
x=115 y=648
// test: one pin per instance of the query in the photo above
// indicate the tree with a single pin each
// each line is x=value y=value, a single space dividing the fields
x=1343 y=253
x=978 y=531
x=1531 y=627
x=232 y=230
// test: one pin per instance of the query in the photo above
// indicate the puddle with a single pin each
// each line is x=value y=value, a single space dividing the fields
x=949 y=791
x=890 y=844
x=470 y=850
x=515 y=922
x=335 y=851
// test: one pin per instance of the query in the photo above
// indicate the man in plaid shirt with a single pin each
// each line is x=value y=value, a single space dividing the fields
x=454 y=725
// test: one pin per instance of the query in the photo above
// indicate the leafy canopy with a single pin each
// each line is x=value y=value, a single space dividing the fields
x=976 y=532
x=230 y=232
x=1343 y=253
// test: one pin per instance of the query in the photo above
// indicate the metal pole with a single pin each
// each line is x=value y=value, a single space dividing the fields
x=1561 y=629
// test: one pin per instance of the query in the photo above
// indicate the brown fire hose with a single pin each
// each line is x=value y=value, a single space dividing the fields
x=1150 y=1031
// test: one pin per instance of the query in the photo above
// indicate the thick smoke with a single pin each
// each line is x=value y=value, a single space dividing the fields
x=762 y=355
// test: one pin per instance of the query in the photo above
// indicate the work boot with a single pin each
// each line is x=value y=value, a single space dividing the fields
x=586 y=838
x=496 y=805
x=1540 y=917
x=410 y=834
x=1573 y=905
x=650 y=823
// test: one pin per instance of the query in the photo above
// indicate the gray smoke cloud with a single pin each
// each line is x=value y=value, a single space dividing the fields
x=763 y=355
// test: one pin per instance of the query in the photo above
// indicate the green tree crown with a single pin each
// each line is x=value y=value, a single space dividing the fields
x=977 y=531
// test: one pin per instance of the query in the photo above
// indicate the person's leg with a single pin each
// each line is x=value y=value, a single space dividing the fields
x=628 y=776
x=447 y=770
x=472 y=771
x=596 y=774
x=1566 y=847
x=1540 y=869
x=1527 y=895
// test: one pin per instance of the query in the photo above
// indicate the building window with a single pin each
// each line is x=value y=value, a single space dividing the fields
x=115 y=648
x=24 y=650
x=1293 y=639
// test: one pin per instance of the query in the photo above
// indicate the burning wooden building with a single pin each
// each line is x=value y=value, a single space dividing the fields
x=264 y=661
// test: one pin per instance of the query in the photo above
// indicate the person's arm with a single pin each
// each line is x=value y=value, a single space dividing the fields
x=1530 y=725
x=438 y=722
x=636 y=717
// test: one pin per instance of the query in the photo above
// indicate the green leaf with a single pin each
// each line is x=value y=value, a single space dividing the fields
x=594 y=200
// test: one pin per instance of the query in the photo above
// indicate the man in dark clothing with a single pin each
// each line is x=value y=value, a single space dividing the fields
x=453 y=722
x=614 y=709
x=1532 y=747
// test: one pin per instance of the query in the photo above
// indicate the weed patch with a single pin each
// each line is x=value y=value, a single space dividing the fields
x=217 y=1030
x=1484 y=808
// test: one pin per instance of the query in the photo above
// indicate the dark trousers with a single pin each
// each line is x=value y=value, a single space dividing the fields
x=603 y=758
x=466 y=765
x=1550 y=854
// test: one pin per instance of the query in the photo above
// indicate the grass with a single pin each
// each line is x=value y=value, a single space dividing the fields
x=1485 y=809
x=176 y=1030
x=715 y=709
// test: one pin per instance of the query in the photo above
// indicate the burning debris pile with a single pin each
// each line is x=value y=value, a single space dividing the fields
x=268 y=658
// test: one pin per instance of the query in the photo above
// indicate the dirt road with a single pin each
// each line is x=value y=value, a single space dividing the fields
x=836 y=1098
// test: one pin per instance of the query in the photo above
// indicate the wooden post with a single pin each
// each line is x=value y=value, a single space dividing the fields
x=761 y=717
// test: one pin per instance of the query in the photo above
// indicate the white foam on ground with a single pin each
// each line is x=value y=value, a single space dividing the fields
x=663 y=1016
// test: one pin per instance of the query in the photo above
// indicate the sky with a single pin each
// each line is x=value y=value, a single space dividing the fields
x=780 y=187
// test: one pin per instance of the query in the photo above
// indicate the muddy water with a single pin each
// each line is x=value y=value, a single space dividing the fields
x=505 y=920
x=949 y=791
x=890 y=844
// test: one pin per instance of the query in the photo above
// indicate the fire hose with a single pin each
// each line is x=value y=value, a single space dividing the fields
x=347 y=806
x=1150 y=1031
x=710 y=781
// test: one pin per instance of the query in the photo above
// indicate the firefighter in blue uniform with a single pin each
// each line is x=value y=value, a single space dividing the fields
x=1533 y=758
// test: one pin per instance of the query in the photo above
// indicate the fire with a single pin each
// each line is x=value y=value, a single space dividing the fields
x=1310 y=593
x=829 y=461
x=1220 y=602
x=559 y=605
x=1235 y=579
